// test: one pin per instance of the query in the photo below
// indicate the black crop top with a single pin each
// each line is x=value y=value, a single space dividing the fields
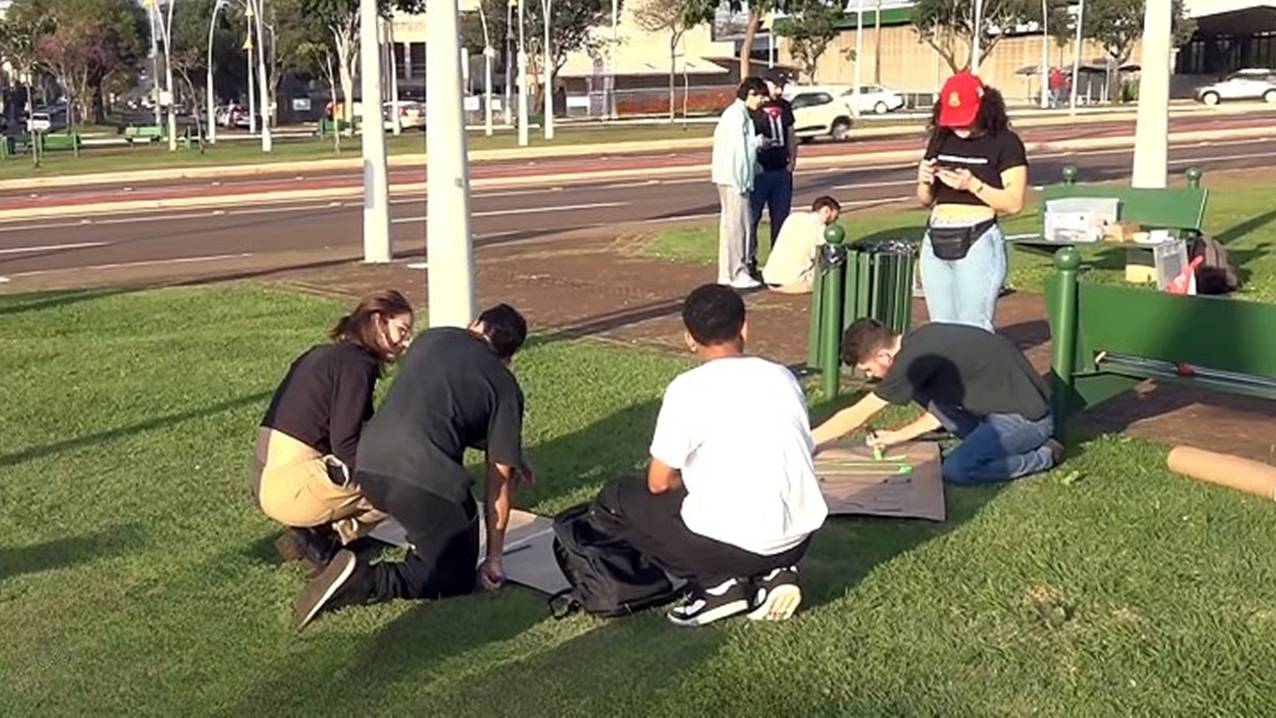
x=986 y=156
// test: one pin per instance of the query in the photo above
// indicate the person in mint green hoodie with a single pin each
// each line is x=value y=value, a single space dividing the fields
x=735 y=155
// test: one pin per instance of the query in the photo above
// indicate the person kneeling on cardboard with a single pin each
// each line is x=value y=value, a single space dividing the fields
x=973 y=383
x=731 y=497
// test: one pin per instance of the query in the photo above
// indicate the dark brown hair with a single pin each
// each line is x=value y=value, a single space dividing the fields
x=991 y=120
x=359 y=327
x=864 y=338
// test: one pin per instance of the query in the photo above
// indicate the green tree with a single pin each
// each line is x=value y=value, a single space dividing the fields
x=949 y=26
x=19 y=34
x=810 y=31
x=672 y=17
x=707 y=11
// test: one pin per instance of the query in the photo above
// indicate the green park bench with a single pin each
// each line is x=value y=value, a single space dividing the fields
x=53 y=141
x=143 y=133
x=1178 y=210
x=1107 y=339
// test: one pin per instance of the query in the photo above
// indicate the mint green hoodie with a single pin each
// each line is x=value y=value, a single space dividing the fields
x=735 y=149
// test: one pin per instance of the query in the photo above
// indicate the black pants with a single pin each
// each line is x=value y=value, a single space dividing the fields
x=445 y=540
x=652 y=523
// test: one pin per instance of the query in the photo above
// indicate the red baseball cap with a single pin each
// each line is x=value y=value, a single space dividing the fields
x=959 y=100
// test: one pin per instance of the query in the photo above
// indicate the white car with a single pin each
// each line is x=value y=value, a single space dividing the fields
x=39 y=122
x=411 y=114
x=874 y=98
x=1251 y=84
x=819 y=112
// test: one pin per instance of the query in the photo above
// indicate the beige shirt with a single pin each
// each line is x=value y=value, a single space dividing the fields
x=793 y=259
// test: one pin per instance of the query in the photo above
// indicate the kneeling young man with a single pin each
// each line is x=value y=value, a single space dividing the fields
x=731 y=497
x=453 y=391
x=972 y=382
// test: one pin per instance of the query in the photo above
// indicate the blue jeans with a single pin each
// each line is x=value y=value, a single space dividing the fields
x=997 y=447
x=965 y=291
x=772 y=189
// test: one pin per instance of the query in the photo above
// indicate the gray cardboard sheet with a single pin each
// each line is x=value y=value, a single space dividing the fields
x=853 y=482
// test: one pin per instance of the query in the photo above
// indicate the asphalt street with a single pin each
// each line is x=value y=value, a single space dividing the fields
x=182 y=238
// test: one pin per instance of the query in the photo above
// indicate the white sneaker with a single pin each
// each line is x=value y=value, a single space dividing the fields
x=744 y=281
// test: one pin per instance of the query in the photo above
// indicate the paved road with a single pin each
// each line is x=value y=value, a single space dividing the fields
x=78 y=247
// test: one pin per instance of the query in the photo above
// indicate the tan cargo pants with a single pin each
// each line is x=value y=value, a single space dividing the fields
x=290 y=482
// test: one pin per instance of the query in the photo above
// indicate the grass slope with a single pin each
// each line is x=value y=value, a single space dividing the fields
x=136 y=577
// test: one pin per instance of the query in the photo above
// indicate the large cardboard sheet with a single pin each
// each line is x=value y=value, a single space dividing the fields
x=853 y=482
x=529 y=549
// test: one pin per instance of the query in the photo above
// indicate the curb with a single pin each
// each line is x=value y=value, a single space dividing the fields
x=819 y=162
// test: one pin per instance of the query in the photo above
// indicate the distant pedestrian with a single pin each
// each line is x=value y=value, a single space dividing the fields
x=777 y=156
x=975 y=169
x=1056 y=86
x=735 y=152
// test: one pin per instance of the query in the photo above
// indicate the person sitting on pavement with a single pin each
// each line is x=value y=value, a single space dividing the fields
x=794 y=259
x=735 y=155
x=973 y=383
x=453 y=391
x=307 y=442
x=730 y=499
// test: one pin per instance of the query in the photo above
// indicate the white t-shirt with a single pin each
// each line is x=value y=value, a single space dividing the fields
x=738 y=430
x=792 y=261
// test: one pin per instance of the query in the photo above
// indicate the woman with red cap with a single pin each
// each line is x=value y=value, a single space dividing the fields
x=975 y=170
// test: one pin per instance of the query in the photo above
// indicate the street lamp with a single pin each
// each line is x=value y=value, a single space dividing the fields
x=262 y=83
x=212 y=99
x=1076 y=56
x=859 y=56
x=1045 y=54
x=522 y=81
x=488 y=53
x=376 y=182
x=248 y=49
x=549 y=76
x=977 y=41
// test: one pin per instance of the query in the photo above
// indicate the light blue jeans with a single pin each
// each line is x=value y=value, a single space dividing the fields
x=994 y=448
x=965 y=291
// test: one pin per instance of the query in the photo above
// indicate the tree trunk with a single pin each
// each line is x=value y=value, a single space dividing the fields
x=99 y=104
x=673 y=71
x=346 y=56
x=746 y=46
x=332 y=88
x=877 y=45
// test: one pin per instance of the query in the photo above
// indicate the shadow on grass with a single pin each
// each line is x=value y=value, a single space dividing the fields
x=57 y=447
x=69 y=551
x=49 y=300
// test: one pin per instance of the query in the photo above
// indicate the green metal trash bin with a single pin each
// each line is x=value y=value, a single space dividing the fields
x=878 y=283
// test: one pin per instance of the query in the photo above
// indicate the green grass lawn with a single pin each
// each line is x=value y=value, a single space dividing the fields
x=241 y=152
x=1243 y=219
x=137 y=578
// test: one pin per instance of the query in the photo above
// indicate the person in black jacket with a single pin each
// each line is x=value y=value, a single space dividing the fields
x=306 y=445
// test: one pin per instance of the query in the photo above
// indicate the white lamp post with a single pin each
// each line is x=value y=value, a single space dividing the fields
x=1151 y=135
x=208 y=82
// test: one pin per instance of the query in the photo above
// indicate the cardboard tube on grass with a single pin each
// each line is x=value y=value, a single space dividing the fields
x=1233 y=472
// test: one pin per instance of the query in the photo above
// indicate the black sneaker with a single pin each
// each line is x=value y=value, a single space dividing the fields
x=313 y=548
x=705 y=606
x=323 y=591
x=777 y=597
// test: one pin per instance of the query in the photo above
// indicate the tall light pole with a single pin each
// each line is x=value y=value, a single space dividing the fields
x=977 y=41
x=248 y=50
x=151 y=11
x=522 y=81
x=166 y=25
x=548 y=124
x=392 y=74
x=449 y=244
x=1151 y=135
x=1045 y=54
x=611 y=60
x=376 y=181
x=509 y=66
x=1076 y=57
x=488 y=54
x=208 y=80
x=859 y=56
x=262 y=82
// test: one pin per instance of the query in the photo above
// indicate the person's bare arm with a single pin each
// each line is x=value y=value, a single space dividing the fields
x=662 y=478
x=500 y=479
x=792 y=144
x=926 y=182
x=847 y=420
x=923 y=424
x=1005 y=201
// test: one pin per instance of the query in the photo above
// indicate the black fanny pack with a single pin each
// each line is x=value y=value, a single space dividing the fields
x=952 y=243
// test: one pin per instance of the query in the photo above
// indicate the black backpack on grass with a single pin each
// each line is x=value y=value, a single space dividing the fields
x=1216 y=274
x=608 y=577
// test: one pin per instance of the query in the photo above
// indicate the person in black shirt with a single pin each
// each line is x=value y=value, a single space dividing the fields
x=777 y=156
x=974 y=170
x=973 y=383
x=307 y=442
x=453 y=391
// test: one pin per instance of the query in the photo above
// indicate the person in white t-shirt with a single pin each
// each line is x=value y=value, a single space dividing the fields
x=794 y=258
x=731 y=496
